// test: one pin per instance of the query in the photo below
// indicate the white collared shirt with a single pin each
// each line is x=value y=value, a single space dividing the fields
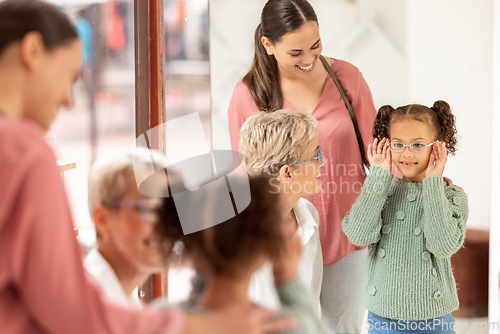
x=103 y=274
x=262 y=291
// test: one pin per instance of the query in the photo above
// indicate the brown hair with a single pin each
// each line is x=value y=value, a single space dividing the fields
x=278 y=18
x=227 y=246
x=439 y=116
x=20 y=17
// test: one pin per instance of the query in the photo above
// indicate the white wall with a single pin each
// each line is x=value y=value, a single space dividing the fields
x=450 y=58
x=413 y=51
x=232 y=26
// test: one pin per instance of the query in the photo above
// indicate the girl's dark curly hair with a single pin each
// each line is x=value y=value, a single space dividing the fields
x=439 y=117
x=227 y=246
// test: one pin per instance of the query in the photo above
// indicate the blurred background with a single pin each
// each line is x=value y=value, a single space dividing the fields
x=102 y=122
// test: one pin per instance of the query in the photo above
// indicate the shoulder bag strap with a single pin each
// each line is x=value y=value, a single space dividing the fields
x=349 y=107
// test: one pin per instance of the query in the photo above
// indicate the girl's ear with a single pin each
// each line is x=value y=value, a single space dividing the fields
x=267 y=45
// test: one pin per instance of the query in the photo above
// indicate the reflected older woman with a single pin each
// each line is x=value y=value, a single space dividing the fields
x=126 y=251
x=284 y=145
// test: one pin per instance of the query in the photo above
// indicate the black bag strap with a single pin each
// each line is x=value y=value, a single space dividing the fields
x=349 y=107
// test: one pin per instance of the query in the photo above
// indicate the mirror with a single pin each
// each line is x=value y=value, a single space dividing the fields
x=409 y=51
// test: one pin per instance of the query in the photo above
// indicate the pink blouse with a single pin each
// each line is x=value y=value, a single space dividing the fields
x=343 y=175
x=43 y=287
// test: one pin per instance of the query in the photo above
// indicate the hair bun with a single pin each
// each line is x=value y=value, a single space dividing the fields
x=446 y=121
x=382 y=120
x=441 y=106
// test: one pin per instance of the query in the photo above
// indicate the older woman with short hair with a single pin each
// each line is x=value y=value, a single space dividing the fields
x=126 y=252
x=284 y=145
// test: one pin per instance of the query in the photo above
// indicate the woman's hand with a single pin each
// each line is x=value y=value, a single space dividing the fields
x=450 y=182
x=437 y=159
x=379 y=154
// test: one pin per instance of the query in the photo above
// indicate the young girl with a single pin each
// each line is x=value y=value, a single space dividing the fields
x=412 y=225
x=228 y=254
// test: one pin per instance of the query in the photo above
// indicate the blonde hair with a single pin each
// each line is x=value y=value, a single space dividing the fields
x=270 y=140
x=111 y=177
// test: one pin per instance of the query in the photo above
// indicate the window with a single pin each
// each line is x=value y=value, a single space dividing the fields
x=102 y=119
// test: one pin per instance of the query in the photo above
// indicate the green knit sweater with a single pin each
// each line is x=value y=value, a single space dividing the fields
x=412 y=230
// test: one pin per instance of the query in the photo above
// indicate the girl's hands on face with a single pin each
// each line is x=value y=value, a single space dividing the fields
x=379 y=154
x=437 y=159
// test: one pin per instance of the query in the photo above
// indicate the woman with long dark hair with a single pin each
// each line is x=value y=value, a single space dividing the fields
x=288 y=72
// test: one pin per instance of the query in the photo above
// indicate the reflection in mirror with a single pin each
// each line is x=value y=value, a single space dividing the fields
x=410 y=51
